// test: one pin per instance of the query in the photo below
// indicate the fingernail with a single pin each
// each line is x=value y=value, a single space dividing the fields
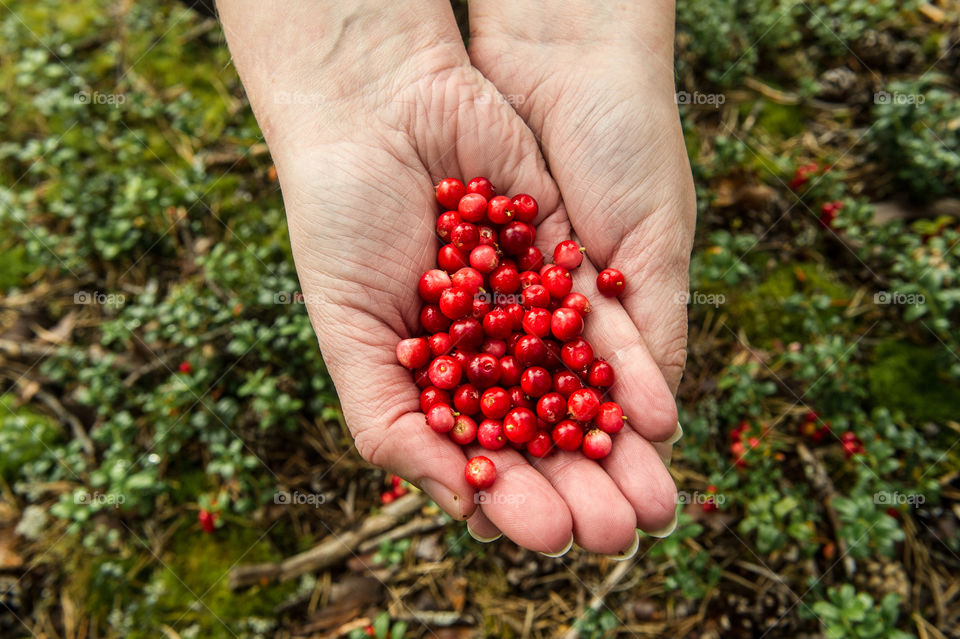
x=443 y=496
x=677 y=434
x=482 y=540
x=566 y=549
x=629 y=552
x=666 y=531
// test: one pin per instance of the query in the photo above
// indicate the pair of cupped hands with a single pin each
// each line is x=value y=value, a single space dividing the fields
x=575 y=107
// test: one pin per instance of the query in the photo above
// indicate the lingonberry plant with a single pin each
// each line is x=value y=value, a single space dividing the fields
x=521 y=369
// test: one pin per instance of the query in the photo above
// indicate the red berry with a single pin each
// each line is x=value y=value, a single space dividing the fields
x=535 y=296
x=567 y=435
x=464 y=430
x=552 y=408
x=481 y=186
x=738 y=450
x=565 y=324
x=456 y=303
x=597 y=444
x=444 y=372
x=421 y=378
x=440 y=344
x=387 y=497
x=516 y=237
x=530 y=350
x=577 y=354
x=600 y=374
x=576 y=301
x=185 y=367
x=413 y=352
x=540 y=445
x=515 y=311
x=466 y=399
x=505 y=279
x=568 y=254
x=495 y=347
x=530 y=259
x=480 y=472
x=500 y=210
x=536 y=381
x=520 y=425
x=481 y=306
x=483 y=370
x=557 y=281
x=440 y=418
x=565 y=382
x=450 y=258
x=490 y=434
x=445 y=224
x=431 y=395
x=488 y=235
x=811 y=416
x=537 y=322
x=432 y=284
x=432 y=320
x=465 y=236
x=497 y=324
x=518 y=399
x=610 y=417
x=449 y=192
x=510 y=371
x=583 y=405
x=472 y=207
x=610 y=282
x=494 y=403
x=484 y=258
x=466 y=333
x=525 y=207
x=208 y=520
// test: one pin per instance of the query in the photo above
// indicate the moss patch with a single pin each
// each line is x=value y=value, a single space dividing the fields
x=914 y=379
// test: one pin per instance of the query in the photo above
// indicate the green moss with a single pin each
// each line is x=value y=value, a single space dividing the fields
x=25 y=436
x=782 y=121
x=914 y=379
x=14 y=266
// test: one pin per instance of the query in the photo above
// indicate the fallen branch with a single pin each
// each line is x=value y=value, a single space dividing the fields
x=619 y=572
x=820 y=480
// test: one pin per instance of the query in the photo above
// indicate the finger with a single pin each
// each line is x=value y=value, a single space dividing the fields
x=603 y=519
x=481 y=528
x=636 y=469
x=523 y=504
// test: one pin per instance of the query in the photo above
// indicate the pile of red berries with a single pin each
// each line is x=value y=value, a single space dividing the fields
x=504 y=361
x=397 y=490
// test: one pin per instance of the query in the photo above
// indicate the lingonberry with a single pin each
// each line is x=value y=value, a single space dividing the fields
x=481 y=186
x=467 y=278
x=413 y=353
x=505 y=279
x=738 y=451
x=583 y=404
x=596 y=444
x=565 y=324
x=600 y=374
x=449 y=192
x=464 y=430
x=490 y=434
x=536 y=381
x=387 y=497
x=551 y=360
x=568 y=254
x=525 y=207
x=444 y=372
x=528 y=279
x=519 y=399
x=481 y=306
x=480 y=472
x=421 y=377
x=567 y=435
x=450 y=258
x=488 y=235
x=466 y=333
x=500 y=210
x=432 y=320
x=494 y=403
x=576 y=354
x=540 y=445
x=520 y=425
x=432 y=395
x=463 y=357
x=483 y=370
x=445 y=224
x=557 y=281
x=440 y=417
x=512 y=341
x=610 y=282
x=516 y=237
x=208 y=520
x=609 y=417
x=456 y=303
x=472 y=207
x=535 y=296
x=510 y=371
x=440 y=344
x=515 y=311
x=530 y=350
x=484 y=258
x=552 y=407
x=497 y=324
x=531 y=259
x=466 y=399
x=432 y=284
x=576 y=301
x=565 y=382
x=536 y=321
x=496 y=347
x=465 y=236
